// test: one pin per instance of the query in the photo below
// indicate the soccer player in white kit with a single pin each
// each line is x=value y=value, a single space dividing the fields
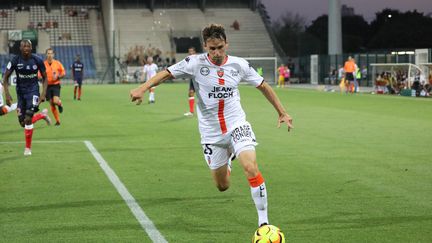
x=150 y=70
x=4 y=109
x=222 y=121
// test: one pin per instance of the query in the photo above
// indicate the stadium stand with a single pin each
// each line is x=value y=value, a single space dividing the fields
x=69 y=35
x=8 y=19
x=157 y=28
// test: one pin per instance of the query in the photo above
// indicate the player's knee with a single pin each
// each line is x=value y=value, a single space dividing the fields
x=29 y=114
x=222 y=187
x=27 y=121
x=251 y=169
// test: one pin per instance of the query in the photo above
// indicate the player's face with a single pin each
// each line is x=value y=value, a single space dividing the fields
x=50 y=55
x=216 y=49
x=25 y=48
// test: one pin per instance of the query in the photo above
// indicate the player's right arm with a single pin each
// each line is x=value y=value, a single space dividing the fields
x=137 y=93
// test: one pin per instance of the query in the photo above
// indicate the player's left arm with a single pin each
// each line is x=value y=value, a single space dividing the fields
x=44 y=80
x=272 y=97
x=44 y=86
x=61 y=71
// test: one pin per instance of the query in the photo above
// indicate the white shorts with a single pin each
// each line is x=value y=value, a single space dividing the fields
x=240 y=139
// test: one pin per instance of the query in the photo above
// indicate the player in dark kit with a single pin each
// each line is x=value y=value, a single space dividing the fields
x=26 y=66
x=77 y=75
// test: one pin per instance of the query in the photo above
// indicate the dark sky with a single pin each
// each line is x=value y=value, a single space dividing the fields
x=311 y=9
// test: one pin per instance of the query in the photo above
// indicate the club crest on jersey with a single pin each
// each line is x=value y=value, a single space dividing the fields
x=34 y=67
x=204 y=71
x=220 y=73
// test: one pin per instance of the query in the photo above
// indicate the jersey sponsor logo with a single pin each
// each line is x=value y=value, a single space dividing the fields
x=221 y=92
x=28 y=67
x=23 y=76
x=234 y=73
x=241 y=133
x=204 y=71
x=220 y=73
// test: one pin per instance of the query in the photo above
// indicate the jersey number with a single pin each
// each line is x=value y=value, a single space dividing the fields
x=207 y=149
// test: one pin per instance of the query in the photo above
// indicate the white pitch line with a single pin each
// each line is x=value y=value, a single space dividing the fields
x=139 y=214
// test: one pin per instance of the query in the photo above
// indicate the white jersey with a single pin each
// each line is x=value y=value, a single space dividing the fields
x=1 y=95
x=150 y=70
x=218 y=107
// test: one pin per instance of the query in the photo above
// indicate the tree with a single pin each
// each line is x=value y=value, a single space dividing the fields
x=393 y=29
x=355 y=31
x=288 y=29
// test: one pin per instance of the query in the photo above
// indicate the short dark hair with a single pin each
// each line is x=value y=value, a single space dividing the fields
x=49 y=49
x=25 y=41
x=193 y=48
x=214 y=31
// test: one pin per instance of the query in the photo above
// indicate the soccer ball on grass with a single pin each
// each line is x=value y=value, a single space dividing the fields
x=268 y=234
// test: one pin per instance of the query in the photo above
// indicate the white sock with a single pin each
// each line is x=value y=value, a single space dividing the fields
x=151 y=97
x=11 y=108
x=259 y=195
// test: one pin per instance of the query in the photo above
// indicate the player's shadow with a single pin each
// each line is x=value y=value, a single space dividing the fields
x=172 y=200
x=355 y=221
x=175 y=119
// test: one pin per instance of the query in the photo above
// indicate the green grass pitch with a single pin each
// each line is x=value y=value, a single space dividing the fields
x=356 y=168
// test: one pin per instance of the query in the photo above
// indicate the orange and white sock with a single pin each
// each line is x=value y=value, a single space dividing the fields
x=259 y=196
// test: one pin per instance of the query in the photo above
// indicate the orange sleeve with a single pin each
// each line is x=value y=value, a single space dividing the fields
x=61 y=69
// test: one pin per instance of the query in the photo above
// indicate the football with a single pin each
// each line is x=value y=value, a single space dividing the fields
x=268 y=234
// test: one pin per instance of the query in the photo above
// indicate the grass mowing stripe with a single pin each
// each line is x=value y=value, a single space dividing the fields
x=58 y=141
x=139 y=214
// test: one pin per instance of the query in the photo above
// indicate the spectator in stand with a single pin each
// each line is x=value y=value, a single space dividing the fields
x=4 y=14
x=235 y=25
